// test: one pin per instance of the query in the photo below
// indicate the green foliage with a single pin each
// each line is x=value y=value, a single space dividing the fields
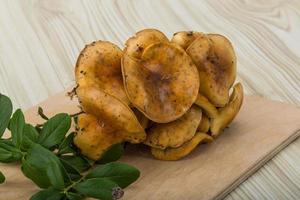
x=49 y=158
x=5 y=112
x=55 y=130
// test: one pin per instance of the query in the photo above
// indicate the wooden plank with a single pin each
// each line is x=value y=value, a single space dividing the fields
x=40 y=40
x=210 y=172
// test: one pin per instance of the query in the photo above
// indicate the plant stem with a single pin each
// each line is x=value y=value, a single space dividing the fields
x=41 y=113
x=75 y=182
x=76 y=114
x=72 y=185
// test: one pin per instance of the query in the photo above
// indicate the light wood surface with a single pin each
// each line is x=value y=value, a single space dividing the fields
x=40 y=40
x=210 y=172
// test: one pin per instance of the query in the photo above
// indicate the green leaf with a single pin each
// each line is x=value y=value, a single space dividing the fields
x=8 y=152
x=78 y=163
x=67 y=144
x=16 y=126
x=8 y=156
x=101 y=188
x=7 y=144
x=48 y=194
x=30 y=136
x=74 y=196
x=47 y=164
x=114 y=153
x=5 y=155
x=31 y=132
x=35 y=174
x=73 y=174
x=54 y=130
x=120 y=173
x=91 y=162
x=55 y=175
x=5 y=112
x=2 y=178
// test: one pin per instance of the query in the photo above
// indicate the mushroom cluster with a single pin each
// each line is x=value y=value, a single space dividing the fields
x=168 y=94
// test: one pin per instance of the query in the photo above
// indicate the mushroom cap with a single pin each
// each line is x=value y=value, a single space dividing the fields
x=144 y=121
x=228 y=113
x=182 y=151
x=109 y=120
x=175 y=133
x=94 y=137
x=214 y=56
x=208 y=108
x=215 y=59
x=135 y=45
x=111 y=111
x=163 y=84
x=99 y=65
x=185 y=38
x=204 y=124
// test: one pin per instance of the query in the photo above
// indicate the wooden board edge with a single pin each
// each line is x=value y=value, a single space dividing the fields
x=258 y=165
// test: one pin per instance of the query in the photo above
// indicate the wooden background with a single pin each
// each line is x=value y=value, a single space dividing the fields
x=40 y=41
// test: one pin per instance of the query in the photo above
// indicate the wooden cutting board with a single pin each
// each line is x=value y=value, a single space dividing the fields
x=261 y=129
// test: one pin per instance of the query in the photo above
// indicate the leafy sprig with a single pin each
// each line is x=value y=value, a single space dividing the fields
x=49 y=158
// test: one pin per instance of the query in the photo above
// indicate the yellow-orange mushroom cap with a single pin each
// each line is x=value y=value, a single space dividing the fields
x=162 y=83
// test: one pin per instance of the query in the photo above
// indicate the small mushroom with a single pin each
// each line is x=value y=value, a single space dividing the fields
x=111 y=111
x=175 y=133
x=215 y=59
x=182 y=151
x=208 y=108
x=204 y=124
x=162 y=82
x=135 y=46
x=95 y=137
x=185 y=38
x=99 y=65
x=228 y=113
x=108 y=119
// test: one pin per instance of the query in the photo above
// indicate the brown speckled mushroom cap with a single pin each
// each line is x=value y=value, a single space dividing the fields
x=162 y=82
x=99 y=65
x=135 y=45
x=215 y=59
x=94 y=137
x=111 y=111
x=102 y=96
x=185 y=38
x=183 y=150
x=175 y=133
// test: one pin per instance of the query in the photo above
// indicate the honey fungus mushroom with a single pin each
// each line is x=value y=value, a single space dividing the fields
x=135 y=45
x=185 y=38
x=182 y=151
x=175 y=133
x=99 y=65
x=204 y=124
x=94 y=138
x=229 y=112
x=101 y=94
x=215 y=59
x=160 y=79
x=110 y=116
x=208 y=108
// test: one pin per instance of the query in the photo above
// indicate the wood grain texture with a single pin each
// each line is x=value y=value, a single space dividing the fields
x=211 y=171
x=40 y=40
